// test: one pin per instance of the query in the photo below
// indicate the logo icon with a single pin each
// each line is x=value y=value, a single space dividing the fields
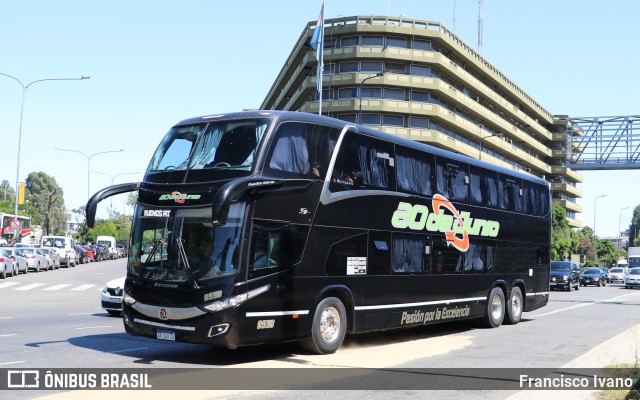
x=179 y=198
x=162 y=314
x=23 y=379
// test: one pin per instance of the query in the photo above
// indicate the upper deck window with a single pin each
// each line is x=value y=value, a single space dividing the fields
x=301 y=150
x=222 y=144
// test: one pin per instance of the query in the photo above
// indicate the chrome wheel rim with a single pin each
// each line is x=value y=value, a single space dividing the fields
x=330 y=324
x=496 y=307
x=516 y=305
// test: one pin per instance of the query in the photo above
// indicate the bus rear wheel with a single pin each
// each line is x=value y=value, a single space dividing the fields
x=514 y=307
x=328 y=328
x=495 y=309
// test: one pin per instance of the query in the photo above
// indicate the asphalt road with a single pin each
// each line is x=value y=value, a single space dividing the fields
x=53 y=320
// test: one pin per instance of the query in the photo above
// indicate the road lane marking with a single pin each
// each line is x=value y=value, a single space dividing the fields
x=8 y=284
x=590 y=303
x=126 y=350
x=30 y=286
x=58 y=287
x=84 y=287
x=82 y=313
x=11 y=362
x=9 y=334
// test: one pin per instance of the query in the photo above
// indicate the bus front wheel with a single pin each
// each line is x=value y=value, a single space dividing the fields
x=495 y=309
x=328 y=328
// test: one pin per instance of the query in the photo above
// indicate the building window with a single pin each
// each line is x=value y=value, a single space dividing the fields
x=393 y=41
x=348 y=41
x=418 y=95
x=373 y=40
x=351 y=66
x=371 y=66
x=347 y=117
x=347 y=93
x=393 y=120
x=329 y=69
x=396 y=94
x=422 y=44
x=419 y=122
x=395 y=68
x=420 y=70
x=329 y=43
x=370 y=119
x=327 y=94
x=371 y=92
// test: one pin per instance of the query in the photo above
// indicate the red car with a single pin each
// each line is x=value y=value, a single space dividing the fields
x=89 y=253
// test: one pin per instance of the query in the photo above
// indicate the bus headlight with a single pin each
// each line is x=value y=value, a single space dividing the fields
x=128 y=299
x=235 y=301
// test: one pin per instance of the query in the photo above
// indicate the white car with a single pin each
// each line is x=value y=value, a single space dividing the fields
x=616 y=274
x=7 y=264
x=111 y=296
x=633 y=278
x=29 y=257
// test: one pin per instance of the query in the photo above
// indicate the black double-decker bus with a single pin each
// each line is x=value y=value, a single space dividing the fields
x=266 y=226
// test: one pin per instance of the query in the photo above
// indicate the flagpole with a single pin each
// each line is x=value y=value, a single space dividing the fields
x=317 y=43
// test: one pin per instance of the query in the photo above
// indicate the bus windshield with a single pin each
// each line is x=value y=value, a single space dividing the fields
x=227 y=144
x=182 y=245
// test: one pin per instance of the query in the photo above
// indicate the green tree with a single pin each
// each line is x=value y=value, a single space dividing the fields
x=634 y=227
x=563 y=239
x=46 y=202
x=607 y=252
x=7 y=194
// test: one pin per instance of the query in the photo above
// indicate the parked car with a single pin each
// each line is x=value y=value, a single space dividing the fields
x=111 y=296
x=27 y=256
x=90 y=254
x=633 y=278
x=52 y=256
x=122 y=251
x=20 y=267
x=83 y=257
x=592 y=276
x=617 y=274
x=605 y=274
x=104 y=251
x=7 y=265
x=97 y=256
x=564 y=275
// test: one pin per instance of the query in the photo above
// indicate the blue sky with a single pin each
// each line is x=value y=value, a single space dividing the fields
x=154 y=63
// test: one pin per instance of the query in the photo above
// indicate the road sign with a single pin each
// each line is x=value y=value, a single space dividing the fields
x=15 y=224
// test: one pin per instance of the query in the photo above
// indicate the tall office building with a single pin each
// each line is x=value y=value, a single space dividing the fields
x=418 y=80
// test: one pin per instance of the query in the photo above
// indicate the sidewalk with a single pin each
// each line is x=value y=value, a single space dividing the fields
x=621 y=349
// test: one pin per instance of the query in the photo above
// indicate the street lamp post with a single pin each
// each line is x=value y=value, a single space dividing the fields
x=360 y=94
x=595 y=213
x=481 y=141
x=112 y=178
x=619 y=227
x=24 y=93
x=89 y=157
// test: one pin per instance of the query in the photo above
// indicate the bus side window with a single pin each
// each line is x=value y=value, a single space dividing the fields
x=484 y=187
x=363 y=163
x=480 y=258
x=276 y=245
x=453 y=181
x=301 y=150
x=410 y=254
x=445 y=259
x=535 y=197
x=511 y=194
x=414 y=172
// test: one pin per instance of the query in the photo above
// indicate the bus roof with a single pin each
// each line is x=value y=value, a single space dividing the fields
x=279 y=116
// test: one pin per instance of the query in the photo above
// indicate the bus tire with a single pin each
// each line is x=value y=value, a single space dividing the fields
x=495 y=309
x=328 y=328
x=514 y=307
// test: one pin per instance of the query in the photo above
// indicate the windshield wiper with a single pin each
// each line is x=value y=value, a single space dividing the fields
x=187 y=267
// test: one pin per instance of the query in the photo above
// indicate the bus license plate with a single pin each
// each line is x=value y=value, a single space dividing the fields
x=166 y=335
